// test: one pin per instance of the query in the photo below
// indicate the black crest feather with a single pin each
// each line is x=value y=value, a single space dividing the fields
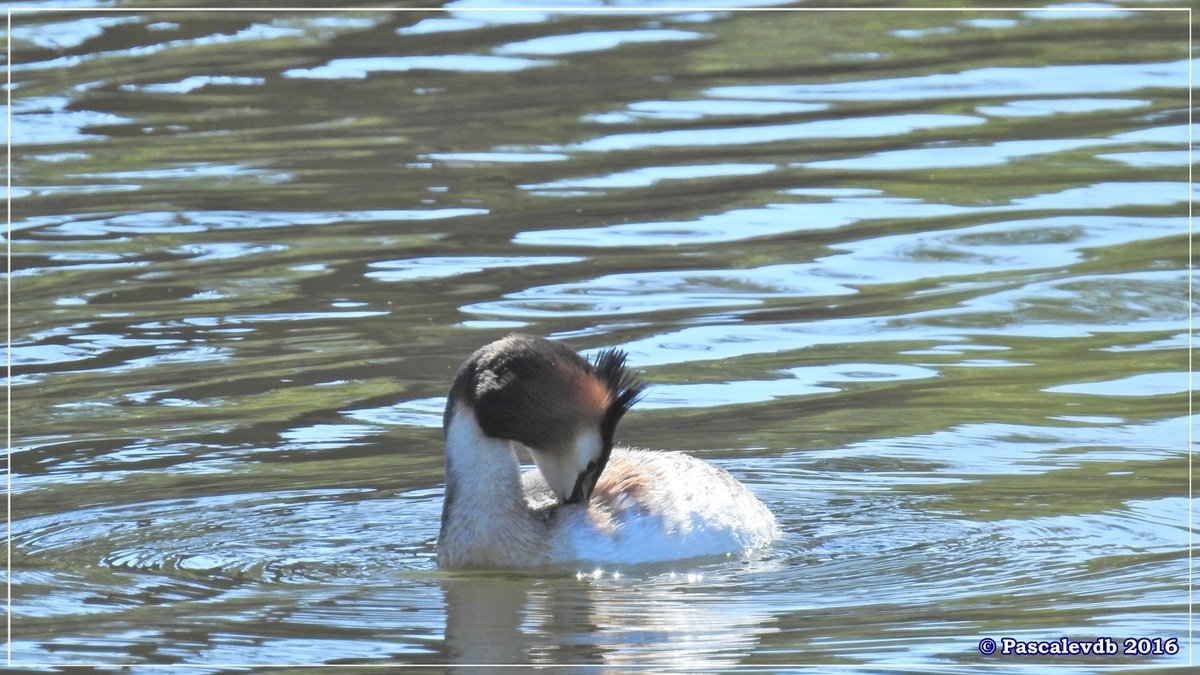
x=609 y=366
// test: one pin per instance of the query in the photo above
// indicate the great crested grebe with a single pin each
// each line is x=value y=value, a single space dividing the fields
x=587 y=502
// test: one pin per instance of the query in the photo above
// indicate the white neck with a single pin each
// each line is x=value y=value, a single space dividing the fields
x=485 y=520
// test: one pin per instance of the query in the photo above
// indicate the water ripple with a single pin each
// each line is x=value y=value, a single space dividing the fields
x=186 y=222
x=648 y=176
x=1052 y=309
x=701 y=108
x=358 y=68
x=448 y=266
x=993 y=82
x=781 y=218
x=643 y=292
x=280 y=537
x=862 y=127
x=802 y=381
x=555 y=45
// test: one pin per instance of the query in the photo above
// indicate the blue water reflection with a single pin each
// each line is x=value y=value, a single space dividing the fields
x=864 y=127
x=592 y=41
x=358 y=68
x=994 y=82
x=701 y=108
x=780 y=218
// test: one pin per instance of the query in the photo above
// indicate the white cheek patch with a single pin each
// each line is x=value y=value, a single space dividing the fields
x=559 y=474
x=561 y=467
x=587 y=449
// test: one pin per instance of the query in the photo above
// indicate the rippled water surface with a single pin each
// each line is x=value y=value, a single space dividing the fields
x=920 y=279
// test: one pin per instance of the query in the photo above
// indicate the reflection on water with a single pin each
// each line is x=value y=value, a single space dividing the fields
x=920 y=279
x=599 y=619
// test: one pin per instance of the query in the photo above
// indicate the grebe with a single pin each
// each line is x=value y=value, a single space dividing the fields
x=587 y=502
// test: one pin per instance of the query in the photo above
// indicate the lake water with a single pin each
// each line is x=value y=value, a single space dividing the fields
x=919 y=279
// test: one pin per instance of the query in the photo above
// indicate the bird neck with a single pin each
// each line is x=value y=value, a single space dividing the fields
x=485 y=519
